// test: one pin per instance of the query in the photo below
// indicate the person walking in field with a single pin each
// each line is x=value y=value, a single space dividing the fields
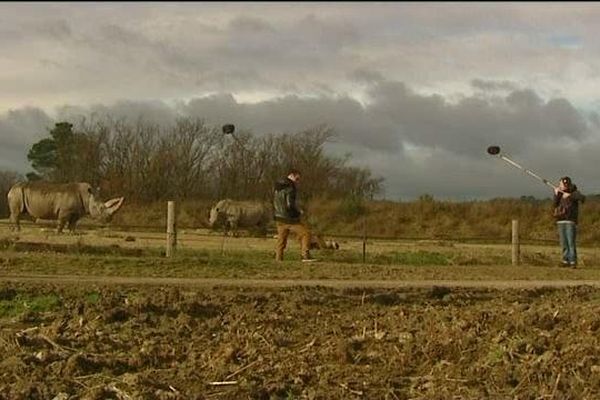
x=287 y=216
x=566 y=213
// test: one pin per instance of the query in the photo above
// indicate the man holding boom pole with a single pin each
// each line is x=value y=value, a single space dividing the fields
x=566 y=212
x=566 y=208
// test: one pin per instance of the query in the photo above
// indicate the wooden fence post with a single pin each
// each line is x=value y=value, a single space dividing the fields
x=171 y=229
x=516 y=247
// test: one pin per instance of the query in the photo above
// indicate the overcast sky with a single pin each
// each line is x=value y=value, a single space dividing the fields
x=415 y=91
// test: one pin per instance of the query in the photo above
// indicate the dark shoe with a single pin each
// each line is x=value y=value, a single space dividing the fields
x=564 y=264
x=573 y=265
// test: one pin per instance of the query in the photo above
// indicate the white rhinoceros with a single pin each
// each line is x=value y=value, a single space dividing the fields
x=234 y=214
x=66 y=203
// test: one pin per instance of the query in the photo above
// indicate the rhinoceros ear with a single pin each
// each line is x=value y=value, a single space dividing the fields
x=93 y=191
x=113 y=205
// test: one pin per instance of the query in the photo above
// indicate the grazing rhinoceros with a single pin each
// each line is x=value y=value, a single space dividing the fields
x=234 y=214
x=66 y=203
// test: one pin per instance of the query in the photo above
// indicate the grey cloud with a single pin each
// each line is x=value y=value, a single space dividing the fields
x=519 y=117
x=526 y=99
x=161 y=50
x=153 y=112
x=19 y=129
x=49 y=29
x=364 y=75
x=429 y=144
x=350 y=120
x=246 y=24
x=491 y=85
x=10 y=35
x=563 y=120
x=337 y=33
x=419 y=144
x=117 y=35
x=58 y=29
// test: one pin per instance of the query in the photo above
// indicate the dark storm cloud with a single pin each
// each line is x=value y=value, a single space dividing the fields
x=293 y=114
x=19 y=129
x=418 y=143
x=427 y=144
x=520 y=118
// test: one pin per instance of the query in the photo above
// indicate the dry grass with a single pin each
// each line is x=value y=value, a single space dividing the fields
x=424 y=219
x=202 y=255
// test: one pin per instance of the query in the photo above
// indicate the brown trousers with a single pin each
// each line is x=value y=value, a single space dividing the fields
x=283 y=231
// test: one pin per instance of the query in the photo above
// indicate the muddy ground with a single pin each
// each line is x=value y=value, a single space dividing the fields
x=145 y=342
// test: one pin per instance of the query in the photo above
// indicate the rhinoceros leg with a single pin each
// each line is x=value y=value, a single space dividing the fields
x=15 y=221
x=233 y=226
x=63 y=218
x=15 y=212
x=235 y=233
x=72 y=223
x=60 y=225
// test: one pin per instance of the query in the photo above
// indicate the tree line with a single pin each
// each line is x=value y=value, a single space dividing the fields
x=190 y=160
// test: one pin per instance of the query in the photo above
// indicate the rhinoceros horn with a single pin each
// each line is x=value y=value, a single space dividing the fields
x=113 y=205
x=104 y=211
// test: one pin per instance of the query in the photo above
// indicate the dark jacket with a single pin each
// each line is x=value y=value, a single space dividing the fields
x=569 y=207
x=284 y=202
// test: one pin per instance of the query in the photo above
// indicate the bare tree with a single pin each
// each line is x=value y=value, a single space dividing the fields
x=185 y=151
x=147 y=162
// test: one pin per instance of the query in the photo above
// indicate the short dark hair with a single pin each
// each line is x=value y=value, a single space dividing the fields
x=566 y=180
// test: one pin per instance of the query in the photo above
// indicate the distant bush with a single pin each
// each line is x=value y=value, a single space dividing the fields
x=351 y=208
x=428 y=218
x=425 y=218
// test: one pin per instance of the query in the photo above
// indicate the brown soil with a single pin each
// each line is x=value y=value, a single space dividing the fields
x=127 y=341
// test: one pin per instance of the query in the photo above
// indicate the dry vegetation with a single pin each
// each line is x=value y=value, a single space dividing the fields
x=429 y=218
x=425 y=218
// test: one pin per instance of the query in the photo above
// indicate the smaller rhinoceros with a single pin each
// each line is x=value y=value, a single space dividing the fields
x=64 y=202
x=234 y=214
